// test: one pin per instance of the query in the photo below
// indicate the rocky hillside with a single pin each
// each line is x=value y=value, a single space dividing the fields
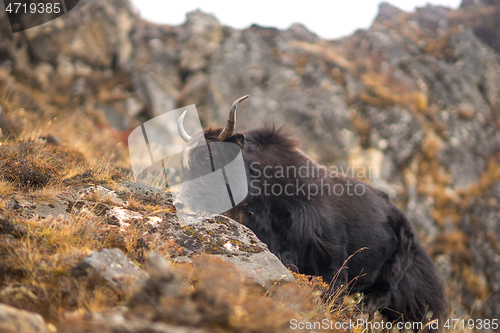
x=417 y=96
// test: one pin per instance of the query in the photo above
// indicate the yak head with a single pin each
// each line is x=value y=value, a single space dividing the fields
x=214 y=176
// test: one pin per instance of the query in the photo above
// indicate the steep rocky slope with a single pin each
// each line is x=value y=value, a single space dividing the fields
x=417 y=96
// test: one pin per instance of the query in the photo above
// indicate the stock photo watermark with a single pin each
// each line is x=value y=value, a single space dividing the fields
x=363 y=325
x=309 y=180
x=25 y=15
x=206 y=176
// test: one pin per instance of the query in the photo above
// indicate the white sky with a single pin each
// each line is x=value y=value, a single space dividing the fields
x=327 y=18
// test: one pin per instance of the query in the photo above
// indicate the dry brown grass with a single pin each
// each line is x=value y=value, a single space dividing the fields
x=46 y=148
x=6 y=188
x=36 y=276
x=45 y=144
x=40 y=262
x=151 y=203
x=386 y=90
x=29 y=164
x=223 y=299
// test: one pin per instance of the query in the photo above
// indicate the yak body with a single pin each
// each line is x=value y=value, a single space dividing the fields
x=316 y=233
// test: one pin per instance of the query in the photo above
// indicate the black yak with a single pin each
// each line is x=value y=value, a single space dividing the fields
x=314 y=220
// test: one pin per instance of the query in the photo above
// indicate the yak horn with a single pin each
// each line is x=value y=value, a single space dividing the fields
x=229 y=129
x=180 y=127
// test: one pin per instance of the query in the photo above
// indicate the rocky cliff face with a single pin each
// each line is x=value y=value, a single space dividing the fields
x=417 y=96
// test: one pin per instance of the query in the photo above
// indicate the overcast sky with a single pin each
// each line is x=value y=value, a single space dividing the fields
x=328 y=18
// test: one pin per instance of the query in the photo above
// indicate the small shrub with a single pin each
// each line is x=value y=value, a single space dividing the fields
x=25 y=165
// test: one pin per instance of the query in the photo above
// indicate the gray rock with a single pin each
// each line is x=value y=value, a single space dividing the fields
x=300 y=32
x=162 y=282
x=118 y=322
x=159 y=266
x=96 y=199
x=15 y=320
x=485 y=27
x=263 y=268
x=114 y=267
x=483 y=227
x=128 y=187
x=9 y=228
x=386 y=11
x=433 y=19
x=400 y=130
x=418 y=211
x=114 y=118
x=443 y=266
x=221 y=236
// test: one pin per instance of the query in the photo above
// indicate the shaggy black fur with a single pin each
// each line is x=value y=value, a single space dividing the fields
x=316 y=234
